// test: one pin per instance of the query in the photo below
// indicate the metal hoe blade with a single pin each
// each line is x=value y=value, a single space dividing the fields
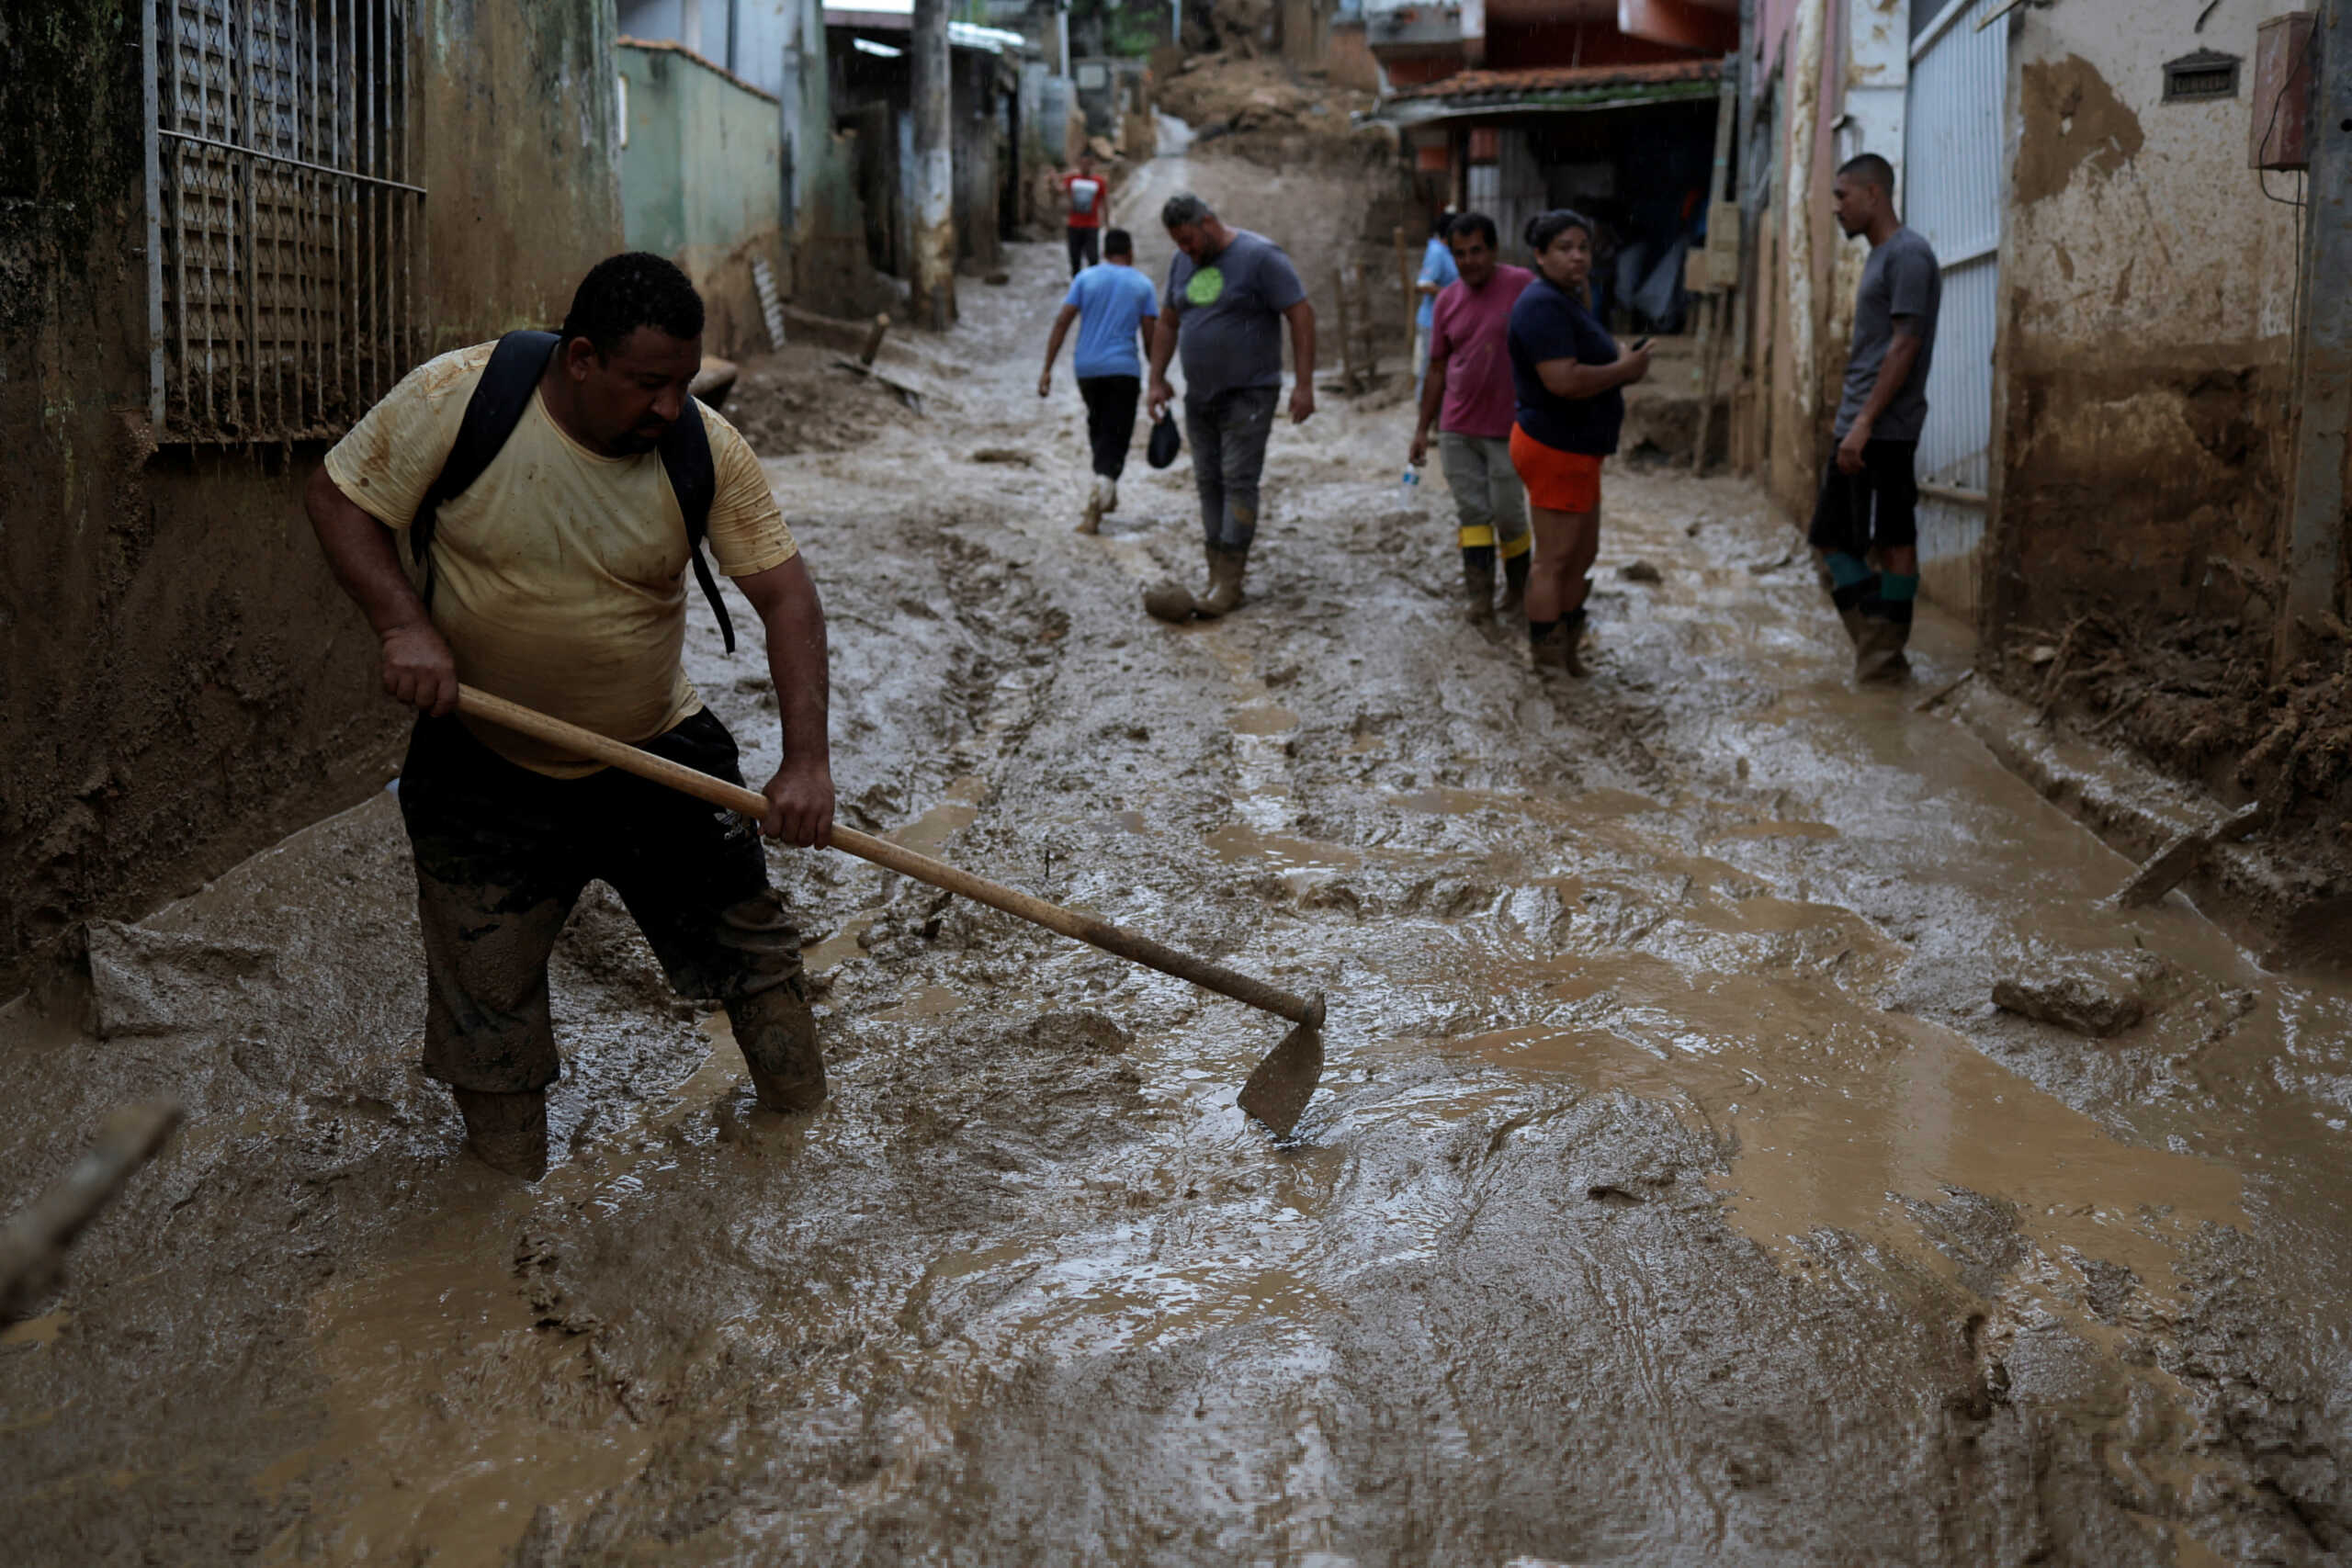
x=1280 y=1087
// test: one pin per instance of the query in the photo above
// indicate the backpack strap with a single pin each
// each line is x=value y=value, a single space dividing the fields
x=507 y=384
x=694 y=480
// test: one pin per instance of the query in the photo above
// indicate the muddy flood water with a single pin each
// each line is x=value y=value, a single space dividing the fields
x=1674 y=1194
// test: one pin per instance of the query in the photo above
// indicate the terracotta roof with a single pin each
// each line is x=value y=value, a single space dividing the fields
x=1544 y=79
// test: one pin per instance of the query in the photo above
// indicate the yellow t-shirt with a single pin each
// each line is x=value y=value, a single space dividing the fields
x=560 y=574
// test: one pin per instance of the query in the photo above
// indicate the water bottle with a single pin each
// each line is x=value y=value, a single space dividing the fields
x=1408 y=488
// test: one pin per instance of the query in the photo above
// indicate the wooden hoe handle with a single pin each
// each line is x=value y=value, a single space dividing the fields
x=1090 y=928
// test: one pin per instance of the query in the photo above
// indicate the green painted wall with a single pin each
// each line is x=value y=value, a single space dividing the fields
x=701 y=173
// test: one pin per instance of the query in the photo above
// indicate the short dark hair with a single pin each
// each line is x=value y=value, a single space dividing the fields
x=1546 y=227
x=1469 y=224
x=1118 y=243
x=635 y=289
x=1871 y=169
x=1184 y=208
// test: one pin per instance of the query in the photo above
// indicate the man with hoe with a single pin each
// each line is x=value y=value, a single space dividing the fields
x=1870 y=493
x=1469 y=397
x=556 y=579
x=1112 y=305
x=1229 y=292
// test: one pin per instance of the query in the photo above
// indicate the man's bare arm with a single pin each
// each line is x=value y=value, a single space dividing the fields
x=1054 y=347
x=1301 y=317
x=1432 y=403
x=417 y=667
x=1163 y=349
x=800 y=796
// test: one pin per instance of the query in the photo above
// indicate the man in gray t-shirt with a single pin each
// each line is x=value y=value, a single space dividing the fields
x=1230 y=293
x=1869 y=494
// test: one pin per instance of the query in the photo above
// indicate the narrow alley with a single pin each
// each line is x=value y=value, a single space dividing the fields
x=1675 y=1193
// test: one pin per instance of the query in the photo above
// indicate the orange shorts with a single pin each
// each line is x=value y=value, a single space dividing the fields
x=1555 y=480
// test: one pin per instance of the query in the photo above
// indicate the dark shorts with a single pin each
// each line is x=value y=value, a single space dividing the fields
x=1878 y=507
x=503 y=854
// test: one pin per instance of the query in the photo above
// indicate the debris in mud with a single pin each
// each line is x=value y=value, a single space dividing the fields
x=2098 y=995
x=1639 y=571
x=1011 y=457
x=150 y=982
x=1766 y=567
x=788 y=403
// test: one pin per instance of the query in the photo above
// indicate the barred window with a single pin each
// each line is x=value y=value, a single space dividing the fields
x=284 y=224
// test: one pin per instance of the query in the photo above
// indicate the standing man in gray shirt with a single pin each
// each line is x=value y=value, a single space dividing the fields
x=1229 y=291
x=1870 y=495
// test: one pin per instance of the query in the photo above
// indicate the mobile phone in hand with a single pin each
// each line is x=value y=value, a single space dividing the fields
x=1640 y=343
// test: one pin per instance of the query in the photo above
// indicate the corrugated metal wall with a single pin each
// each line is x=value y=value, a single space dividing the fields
x=1952 y=157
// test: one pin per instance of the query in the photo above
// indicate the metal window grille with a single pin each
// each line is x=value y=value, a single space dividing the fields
x=283 y=222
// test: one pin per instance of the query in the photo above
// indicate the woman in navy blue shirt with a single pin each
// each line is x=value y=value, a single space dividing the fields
x=1566 y=371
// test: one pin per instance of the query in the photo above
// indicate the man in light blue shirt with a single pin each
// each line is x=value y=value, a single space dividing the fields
x=1437 y=271
x=1112 y=305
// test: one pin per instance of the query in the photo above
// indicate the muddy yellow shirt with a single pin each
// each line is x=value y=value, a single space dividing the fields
x=560 y=574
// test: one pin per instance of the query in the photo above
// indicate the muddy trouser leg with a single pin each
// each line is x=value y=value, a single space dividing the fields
x=1244 y=417
x=1895 y=490
x=1204 y=434
x=1466 y=474
x=1840 y=536
x=1085 y=248
x=1109 y=419
x=695 y=880
x=1506 y=499
x=497 y=874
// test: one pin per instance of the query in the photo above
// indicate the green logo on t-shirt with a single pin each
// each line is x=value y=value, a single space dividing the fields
x=1205 y=287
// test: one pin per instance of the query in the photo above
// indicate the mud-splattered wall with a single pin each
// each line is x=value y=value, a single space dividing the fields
x=2149 y=289
x=180 y=680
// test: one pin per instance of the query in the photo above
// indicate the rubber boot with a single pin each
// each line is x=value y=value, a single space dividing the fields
x=1110 y=488
x=506 y=1131
x=1572 y=639
x=1515 y=581
x=777 y=1035
x=1226 y=567
x=1090 y=520
x=1478 y=584
x=1877 y=651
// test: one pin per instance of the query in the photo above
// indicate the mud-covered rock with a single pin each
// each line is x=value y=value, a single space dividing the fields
x=2098 y=995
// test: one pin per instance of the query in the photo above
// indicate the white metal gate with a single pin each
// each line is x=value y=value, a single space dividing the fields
x=1953 y=157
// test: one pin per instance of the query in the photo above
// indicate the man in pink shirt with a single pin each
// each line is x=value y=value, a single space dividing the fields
x=1470 y=400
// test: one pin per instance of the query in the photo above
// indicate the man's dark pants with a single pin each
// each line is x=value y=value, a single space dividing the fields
x=503 y=854
x=1085 y=248
x=1877 y=508
x=1228 y=431
x=1109 y=419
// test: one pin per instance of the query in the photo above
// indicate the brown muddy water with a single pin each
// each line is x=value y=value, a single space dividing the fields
x=1675 y=1193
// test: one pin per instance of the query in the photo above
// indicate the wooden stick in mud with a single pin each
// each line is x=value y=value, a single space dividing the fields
x=33 y=1244
x=1306 y=1011
x=873 y=340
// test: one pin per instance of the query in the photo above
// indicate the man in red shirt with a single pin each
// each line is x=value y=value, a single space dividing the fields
x=1086 y=194
x=1469 y=398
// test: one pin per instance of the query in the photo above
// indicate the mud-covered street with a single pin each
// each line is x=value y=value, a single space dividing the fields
x=1676 y=1192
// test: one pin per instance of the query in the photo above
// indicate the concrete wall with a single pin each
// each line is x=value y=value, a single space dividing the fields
x=701 y=181
x=181 y=681
x=2148 y=295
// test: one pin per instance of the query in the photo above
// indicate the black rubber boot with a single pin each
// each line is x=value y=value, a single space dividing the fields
x=777 y=1035
x=1515 y=581
x=1479 y=583
x=506 y=1131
